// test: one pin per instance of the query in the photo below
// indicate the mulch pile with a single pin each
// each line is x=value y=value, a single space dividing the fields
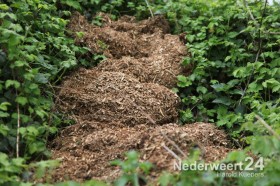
x=125 y=103
x=115 y=96
x=143 y=49
x=87 y=148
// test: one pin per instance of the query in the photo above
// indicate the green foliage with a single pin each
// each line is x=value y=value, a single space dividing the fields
x=9 y=167
x=189 y=177
x=115 y=7
x=236 y=76
x=35 y=53
x=235 y=59
x=86 y=183
x=132 y=170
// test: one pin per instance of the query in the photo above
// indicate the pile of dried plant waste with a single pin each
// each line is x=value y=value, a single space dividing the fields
x=125 y=103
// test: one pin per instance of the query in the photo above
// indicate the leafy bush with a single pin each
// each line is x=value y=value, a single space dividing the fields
x=234 y=48
x=235 y=59
x=35 y=53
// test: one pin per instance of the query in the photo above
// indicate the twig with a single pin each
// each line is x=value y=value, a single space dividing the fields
x=171 y=152
x=148 y=116
x=237 y=142
x=267 y=126
x=251 y=75
x=173 y=143
x=272 y=33
x=248 y=9
x=148 y=5
x=259 y=47
x=18 y=135
x=170 y=72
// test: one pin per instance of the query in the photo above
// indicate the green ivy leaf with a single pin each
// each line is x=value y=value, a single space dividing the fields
x=145 y=167
x=42 y=78
x=36 y=147
x=183 y=81
x=272 y=83
x=6 y=14
x=14 y=83
x=4 y=7
x=190 y=38
x=80 y=34
x=3 y=106
x=21 y=100
x=4 y=114
x=4 y=130
x=240 y=72
x=236 y=156
x=276 y=88
x=72 y=3
x=223 y=100
x=20 y=64
x=122 y=181
x=166 y=179
x=219 y=87
x=41 y=113
x=264 y=145
x=201 y=89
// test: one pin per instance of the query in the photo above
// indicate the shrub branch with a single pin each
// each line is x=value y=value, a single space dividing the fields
x=267 y=127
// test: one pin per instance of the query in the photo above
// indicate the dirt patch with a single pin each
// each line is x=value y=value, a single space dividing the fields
x=86 y=150
x=115 y=96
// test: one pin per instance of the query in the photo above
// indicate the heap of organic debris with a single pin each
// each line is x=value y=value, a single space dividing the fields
x=87 y=148
x=115 y=96
x=124 y=103
x=143 y=50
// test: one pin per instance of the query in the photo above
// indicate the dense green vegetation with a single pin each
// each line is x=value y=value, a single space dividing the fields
x=235 y=54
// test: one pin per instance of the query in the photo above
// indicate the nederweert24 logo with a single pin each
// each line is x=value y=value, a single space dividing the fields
x=247 y=168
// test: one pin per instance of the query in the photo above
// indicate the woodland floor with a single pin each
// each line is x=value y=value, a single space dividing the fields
x=125 y=103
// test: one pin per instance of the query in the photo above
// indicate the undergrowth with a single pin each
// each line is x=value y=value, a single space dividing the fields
x=235 y=82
